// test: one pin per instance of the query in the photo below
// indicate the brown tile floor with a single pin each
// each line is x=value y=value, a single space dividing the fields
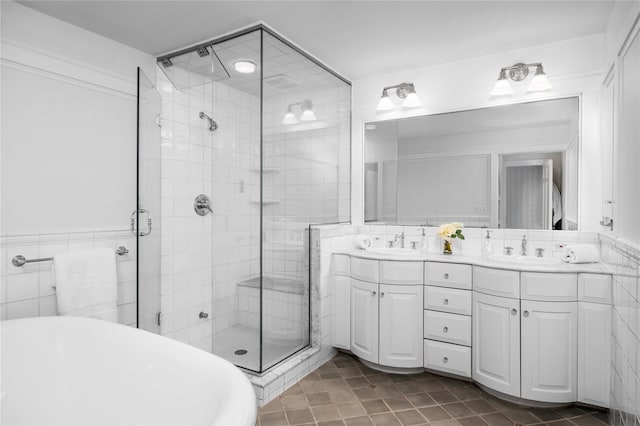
x=345 y=392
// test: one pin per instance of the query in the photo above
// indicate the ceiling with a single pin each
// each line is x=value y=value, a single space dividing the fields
x=358 y=39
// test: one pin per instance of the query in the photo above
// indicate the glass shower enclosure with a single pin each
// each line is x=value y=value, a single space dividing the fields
x=254 y=145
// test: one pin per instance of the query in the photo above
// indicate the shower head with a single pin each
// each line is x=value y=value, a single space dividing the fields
x=213 y=126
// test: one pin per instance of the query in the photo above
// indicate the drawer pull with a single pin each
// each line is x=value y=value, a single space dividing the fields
x=514 y=311
x=446 y=276
x=445 y=360
x=525 y=314
x=446 y=329
x=446 y=301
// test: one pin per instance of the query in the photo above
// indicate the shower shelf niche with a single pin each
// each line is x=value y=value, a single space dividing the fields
x=265 y=202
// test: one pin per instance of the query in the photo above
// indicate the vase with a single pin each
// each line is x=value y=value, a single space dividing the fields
x=447 y=247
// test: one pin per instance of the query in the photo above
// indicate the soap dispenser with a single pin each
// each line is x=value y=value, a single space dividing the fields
x=487 y=247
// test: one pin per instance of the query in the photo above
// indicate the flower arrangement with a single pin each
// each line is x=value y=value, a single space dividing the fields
x=449 y=231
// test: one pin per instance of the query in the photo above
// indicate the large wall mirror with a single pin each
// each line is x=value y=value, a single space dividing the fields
x=513 y=166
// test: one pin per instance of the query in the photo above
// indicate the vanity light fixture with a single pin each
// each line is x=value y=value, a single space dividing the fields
x=307 y=114
x=406 y=91
x=519 y=72
x=245 y=66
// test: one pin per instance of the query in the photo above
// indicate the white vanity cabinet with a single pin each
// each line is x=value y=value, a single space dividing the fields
x=496 y=342
x=341 y=307
x=594 y=338
x=548 y=340
x=447 y=318
x=364 y=320
x=526 y=345
x=386 y=312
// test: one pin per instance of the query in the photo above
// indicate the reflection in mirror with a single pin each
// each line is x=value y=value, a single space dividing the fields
x=513 y=166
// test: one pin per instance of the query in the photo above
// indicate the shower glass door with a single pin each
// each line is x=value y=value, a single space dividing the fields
x=145 y=219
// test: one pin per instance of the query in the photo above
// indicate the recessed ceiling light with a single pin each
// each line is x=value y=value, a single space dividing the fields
x=244 y=66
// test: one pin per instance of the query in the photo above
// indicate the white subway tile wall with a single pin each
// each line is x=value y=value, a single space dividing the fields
x=624 y=259
x=203 y=258
x=28 y=291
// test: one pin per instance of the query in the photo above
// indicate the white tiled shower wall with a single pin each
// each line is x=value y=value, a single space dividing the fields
x=203 y=258
x=324 y=240
x=625 y=356
x=27 y=291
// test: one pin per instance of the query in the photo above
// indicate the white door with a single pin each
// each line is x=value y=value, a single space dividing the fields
x=549 y=350
x=364 y=320
x=594 y=353
x=341 y=337
x=496 y=343
x=401 y=342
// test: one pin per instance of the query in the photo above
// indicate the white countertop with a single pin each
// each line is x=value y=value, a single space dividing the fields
x=593 y=268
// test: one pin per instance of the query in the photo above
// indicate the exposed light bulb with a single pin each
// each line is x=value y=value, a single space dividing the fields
x=540 y=81
x=385 y=103
x=502 y=87
x=245 y=66
x=412 y=100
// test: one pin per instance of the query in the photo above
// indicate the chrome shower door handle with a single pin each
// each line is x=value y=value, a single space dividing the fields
x=133 y=222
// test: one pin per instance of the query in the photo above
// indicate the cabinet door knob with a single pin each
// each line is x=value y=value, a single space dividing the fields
x=446 y=329
x=514 y=311
x=446 y=301
x=445 y=360
x=446 y=276
x=525 y=314
x=382 y=294
x=373 y=293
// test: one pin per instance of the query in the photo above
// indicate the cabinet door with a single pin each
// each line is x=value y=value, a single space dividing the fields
x=594 y=353
x=549 y=351
x=496 y=343
x=401 y=342
x=364 y=320
x=341 y=336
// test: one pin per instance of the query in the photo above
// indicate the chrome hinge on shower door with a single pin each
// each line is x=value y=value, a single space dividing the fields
x=139 y=213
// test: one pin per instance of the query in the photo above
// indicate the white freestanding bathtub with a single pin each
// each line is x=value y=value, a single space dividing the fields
x=72 y=371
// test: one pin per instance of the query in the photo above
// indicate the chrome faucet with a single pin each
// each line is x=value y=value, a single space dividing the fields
x=402 y=240
x=523 y=245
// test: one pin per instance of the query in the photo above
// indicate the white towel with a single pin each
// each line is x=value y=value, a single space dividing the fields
x=87 y=284
x=581 y=253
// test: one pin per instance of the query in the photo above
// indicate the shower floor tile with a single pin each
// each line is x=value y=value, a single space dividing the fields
x=238 y=338
x=344 y=392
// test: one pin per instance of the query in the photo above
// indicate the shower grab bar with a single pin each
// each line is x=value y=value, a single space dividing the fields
x=20 y=260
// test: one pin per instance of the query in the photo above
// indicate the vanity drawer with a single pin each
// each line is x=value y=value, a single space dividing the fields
x=546 y=286
x=447 y=300
x=364 y=269
x=392 y=272
x=446 y=357
x=496 y=282
x=594 y=288
x=447 y=275
x=341 y=264
x=450 y=328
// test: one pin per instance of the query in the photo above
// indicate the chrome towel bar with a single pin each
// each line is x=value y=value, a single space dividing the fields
x=20 y=260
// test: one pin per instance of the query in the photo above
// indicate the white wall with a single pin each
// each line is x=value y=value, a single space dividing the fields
x=68 y=126
x=574 y=67
x=68 y=154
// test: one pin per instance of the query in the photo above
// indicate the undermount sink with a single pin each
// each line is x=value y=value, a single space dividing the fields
x=394 y=251
x=524 y=260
